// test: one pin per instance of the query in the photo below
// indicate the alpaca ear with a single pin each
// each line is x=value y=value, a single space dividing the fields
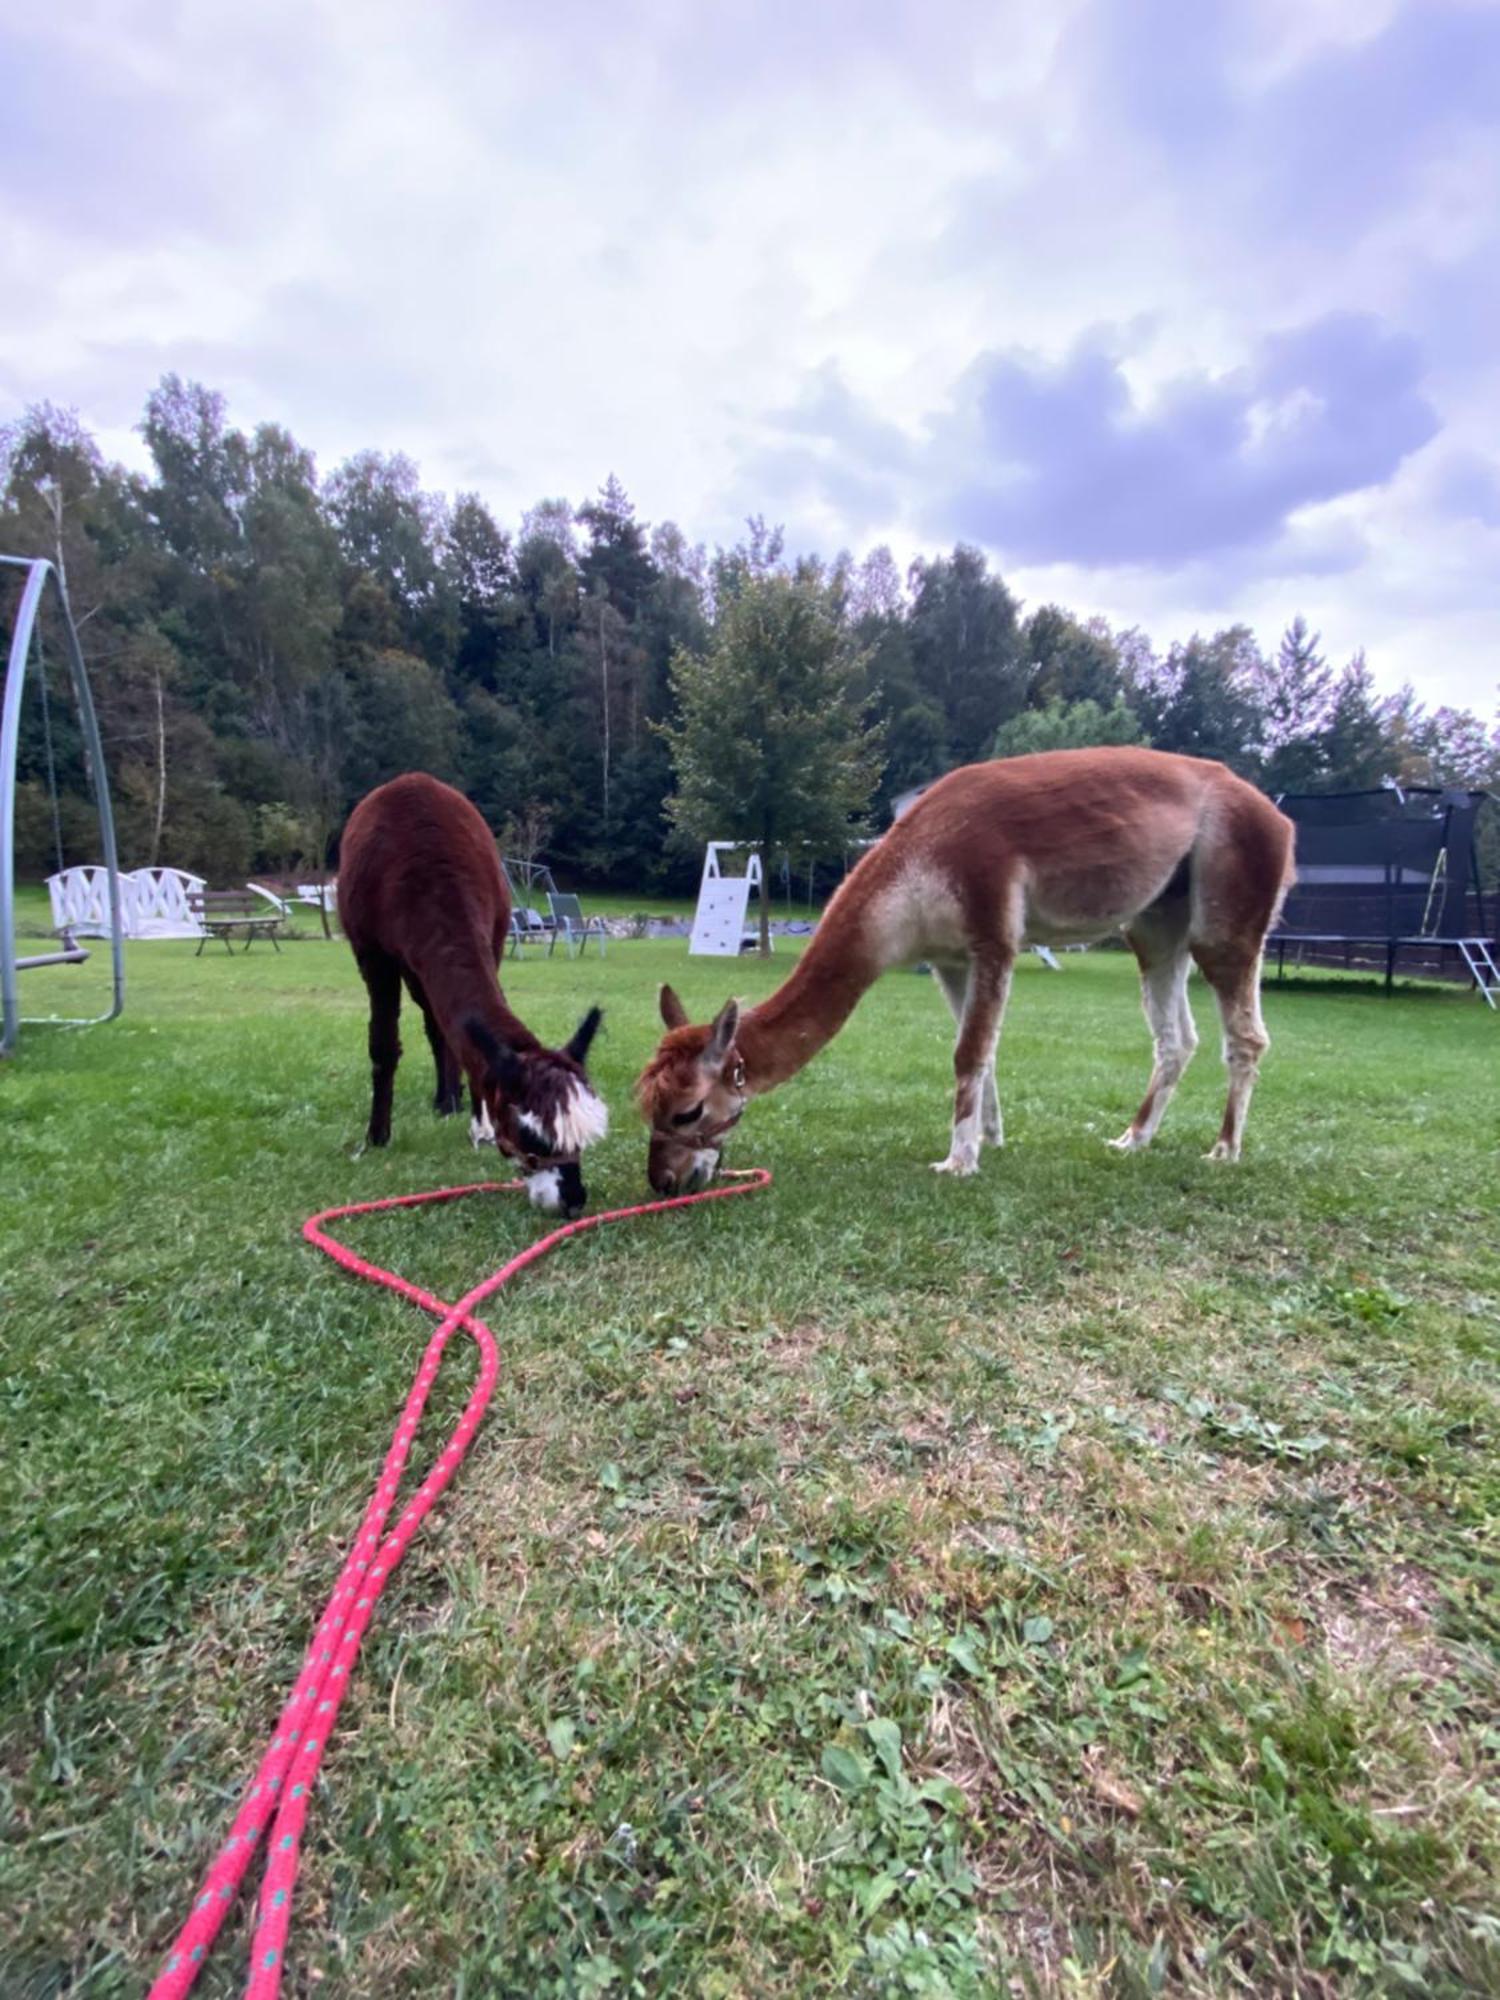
x=721 y=1037
x=673 y=1013
x=583 y=1035
x=504 y=1064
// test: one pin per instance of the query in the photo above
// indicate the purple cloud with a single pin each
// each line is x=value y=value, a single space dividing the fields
x=1469 y=489
x=110 y=154
x=1344 y=138
x=1061 y=462
x=1325 y=148
x=82 y=148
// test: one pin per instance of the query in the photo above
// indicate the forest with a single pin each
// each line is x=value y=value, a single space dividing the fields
x=266 y=643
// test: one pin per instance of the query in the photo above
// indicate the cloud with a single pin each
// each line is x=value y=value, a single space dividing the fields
x=1468 y=488
x=1208 y=164
x=882 y=269
x=117 y=134
x=1345 y=140
x=1064 y=461
x=1321 y=147
x=84 y=150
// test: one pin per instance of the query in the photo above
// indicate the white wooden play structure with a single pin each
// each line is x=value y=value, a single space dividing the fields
x=719 y=921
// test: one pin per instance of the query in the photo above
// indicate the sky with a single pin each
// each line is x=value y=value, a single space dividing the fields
x=1186 y=311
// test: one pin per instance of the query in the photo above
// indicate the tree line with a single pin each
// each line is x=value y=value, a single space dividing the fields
x=265 y=645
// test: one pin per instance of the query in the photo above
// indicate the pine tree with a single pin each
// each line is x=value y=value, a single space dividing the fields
x=1067 y=661
x=1201 y=700
x=1353 y=743
x=966 y=650
x=617 y=559
x=1295 y=691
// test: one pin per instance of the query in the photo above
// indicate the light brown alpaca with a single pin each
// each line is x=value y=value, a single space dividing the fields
x=1061 y=848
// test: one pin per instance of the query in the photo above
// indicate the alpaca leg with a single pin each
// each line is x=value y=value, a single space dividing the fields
x=1239 y=878
x=954 y=979
x=985 y=994
x=1234 y=976
x=383 y=979
x=481 y=1125
x=1159 y=941
x=447 y=1095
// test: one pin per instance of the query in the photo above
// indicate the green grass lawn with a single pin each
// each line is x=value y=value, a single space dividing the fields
x=1078 y=1580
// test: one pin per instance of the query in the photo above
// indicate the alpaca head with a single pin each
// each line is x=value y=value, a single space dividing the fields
x=540 y=1109
x=691 y=1094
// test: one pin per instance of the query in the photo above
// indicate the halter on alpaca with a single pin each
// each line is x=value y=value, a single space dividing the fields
x=706 y=1065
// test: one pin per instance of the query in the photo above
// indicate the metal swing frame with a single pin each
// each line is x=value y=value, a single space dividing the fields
x=33 y=590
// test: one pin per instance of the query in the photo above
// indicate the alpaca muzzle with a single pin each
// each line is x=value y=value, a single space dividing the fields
x=558 y=1190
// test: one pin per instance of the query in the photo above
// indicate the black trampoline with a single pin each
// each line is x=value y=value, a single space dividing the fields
x=1386 y=875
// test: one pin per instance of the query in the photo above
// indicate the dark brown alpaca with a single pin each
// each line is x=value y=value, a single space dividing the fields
x=422 y=898
x=1189 y=861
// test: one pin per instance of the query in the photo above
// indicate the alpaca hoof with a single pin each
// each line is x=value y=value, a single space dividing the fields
x=1129 y=1141
x=960 y=1165
x=1221 y=1149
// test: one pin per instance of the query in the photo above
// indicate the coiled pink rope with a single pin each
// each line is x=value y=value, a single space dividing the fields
x=277 y=1801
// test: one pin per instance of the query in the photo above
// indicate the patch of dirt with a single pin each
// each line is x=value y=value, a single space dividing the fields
x=1030 y=1935
x=1385 y=1627
x=955 y=1753
x=509 y=1505
x=1351 y=1482
x=792 y=1349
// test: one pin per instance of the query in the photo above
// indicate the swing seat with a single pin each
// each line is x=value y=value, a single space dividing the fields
x=68 y=955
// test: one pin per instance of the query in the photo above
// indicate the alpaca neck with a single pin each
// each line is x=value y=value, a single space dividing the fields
x=806 y=1011
x=469 y=991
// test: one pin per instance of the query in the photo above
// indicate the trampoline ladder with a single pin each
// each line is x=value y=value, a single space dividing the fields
x=1483 y=970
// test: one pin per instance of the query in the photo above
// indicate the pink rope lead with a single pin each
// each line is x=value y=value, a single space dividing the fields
x=297 y=1745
